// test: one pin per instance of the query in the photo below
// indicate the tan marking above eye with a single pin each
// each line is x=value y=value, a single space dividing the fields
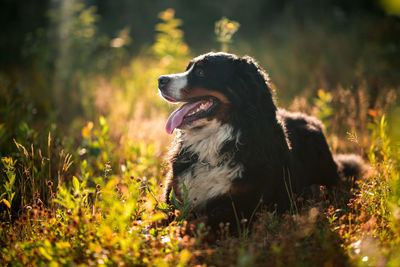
x=200 y=92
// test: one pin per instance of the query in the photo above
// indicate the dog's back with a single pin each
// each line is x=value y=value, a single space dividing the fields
x=311 y=158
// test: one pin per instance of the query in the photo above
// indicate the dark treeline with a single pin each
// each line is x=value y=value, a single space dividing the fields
x=274 y=19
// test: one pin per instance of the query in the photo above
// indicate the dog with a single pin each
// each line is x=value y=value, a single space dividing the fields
x=234 y=149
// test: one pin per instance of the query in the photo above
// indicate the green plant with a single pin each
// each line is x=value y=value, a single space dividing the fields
x=323 y=103
x=183 y=206
x=96 y=146
x=9 y=168
x=169 y=45
x=224 y=30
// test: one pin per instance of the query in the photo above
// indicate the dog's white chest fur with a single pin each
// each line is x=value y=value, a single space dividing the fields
x=213 y=173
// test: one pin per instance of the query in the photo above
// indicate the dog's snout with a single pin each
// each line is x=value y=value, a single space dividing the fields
x=163 y=81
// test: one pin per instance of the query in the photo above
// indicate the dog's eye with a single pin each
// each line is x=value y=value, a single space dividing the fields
x=199 y=72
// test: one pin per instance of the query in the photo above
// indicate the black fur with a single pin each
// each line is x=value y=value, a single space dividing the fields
x=282 y=153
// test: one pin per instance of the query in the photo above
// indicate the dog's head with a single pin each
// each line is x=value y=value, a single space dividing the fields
x=217 y=86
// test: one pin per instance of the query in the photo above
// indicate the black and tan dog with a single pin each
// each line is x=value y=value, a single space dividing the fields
x=235 y=148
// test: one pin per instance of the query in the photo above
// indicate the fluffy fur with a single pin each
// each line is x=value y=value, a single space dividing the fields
x=244 y=151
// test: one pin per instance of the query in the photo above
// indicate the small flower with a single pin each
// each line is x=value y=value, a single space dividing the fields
x=123 y=168
x=82 y=152
x=165 y=239
x=230 y=26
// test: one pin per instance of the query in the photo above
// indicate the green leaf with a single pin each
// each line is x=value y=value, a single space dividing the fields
x=158 y=217
x=173 y=200
x=5 y=201
x=45 y=254
x=75 y=183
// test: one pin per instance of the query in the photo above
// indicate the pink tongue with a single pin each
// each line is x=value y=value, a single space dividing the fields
x=176 y=118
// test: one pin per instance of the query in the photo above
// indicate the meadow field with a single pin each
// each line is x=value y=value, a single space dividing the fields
x=83 y=147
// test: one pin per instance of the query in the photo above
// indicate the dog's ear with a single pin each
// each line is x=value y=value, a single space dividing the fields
x=251 y=87
x=260 y=132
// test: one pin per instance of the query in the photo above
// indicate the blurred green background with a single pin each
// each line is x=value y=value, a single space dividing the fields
x=63 y=63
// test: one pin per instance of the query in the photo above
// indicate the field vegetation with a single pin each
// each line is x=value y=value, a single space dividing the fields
x=83 y=152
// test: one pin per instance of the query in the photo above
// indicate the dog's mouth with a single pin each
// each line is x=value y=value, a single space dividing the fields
x=190 y=112
x=169 y=99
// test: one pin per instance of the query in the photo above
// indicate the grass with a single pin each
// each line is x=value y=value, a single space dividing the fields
x=90 y=195
x=107 y=216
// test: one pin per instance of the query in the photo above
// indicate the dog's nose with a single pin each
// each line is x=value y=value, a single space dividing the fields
x=163 y=81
